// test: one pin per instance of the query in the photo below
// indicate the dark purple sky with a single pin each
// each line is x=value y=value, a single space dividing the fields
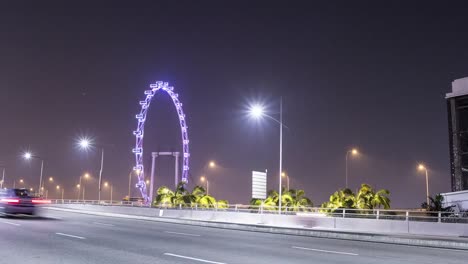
x=365 y=74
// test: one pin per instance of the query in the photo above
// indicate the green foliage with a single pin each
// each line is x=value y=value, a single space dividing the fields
x=366 y=198
x=436 y=204
x=182 y=197
x=292 y=200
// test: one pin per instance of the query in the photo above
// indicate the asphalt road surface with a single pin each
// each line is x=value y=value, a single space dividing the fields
x=63 y=237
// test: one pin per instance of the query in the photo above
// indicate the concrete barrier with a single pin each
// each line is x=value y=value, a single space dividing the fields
x=385 y=231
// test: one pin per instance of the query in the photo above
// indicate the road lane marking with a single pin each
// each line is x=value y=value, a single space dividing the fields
x=67 y=235
x=183 y=234
x=103 y=224
x=196 y=259
x=10 y=223
x=327 y=251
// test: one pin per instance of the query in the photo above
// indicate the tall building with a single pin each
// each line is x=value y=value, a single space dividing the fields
x=457 y=107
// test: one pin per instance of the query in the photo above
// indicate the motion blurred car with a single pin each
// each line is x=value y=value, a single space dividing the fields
x=18 y=201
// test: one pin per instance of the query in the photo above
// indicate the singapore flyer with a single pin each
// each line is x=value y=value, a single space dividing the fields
x=139 y=134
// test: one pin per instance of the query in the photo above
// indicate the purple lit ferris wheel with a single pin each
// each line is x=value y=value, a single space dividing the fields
x=139 y=133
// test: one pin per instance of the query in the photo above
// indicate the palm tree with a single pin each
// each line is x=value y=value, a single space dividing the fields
x=293 y=200
x=296 y=200
x=164 y=197
x=343 y=198
x=222 y=204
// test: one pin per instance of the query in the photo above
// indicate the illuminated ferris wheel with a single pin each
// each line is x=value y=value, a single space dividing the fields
x=139 y=134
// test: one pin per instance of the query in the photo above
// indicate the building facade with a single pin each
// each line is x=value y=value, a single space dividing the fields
x=457 y=108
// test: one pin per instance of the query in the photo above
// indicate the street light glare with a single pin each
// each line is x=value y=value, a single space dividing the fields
x=256 y=111
x=27 y=155
x=421 y=167
x=84 y=143
x=202 y=178
x=354 y=151
x=212 y=164
x=86 y=175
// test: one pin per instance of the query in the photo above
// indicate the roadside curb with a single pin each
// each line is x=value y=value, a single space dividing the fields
x=343 y=235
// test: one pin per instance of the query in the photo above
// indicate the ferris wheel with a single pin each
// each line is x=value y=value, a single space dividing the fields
x=139 y=134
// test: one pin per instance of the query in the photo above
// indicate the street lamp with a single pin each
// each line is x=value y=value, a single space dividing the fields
x=86 y=176
x=283 y=174
x=106 y=184
x=257 y=111
x=3 y=178
x=212 y=164
x=203 y=179
x=28 y=156
x=137 y=171
x=78 y=187
x=58 y=188
x=353 y=152
x=86 y=144
x=421 y=167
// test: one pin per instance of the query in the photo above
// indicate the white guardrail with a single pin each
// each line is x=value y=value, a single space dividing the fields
x=398 y=215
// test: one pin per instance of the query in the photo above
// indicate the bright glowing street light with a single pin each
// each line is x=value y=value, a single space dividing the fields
x=256 y=111
x=106 y=184
x=204 y=179
x=421 y=167
x=353 y=152
x=85 y=144
x=28 y=155
x=212 y=164
x=51 y=179
x=21 y=181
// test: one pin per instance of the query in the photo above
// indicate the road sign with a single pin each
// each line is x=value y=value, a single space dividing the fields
x=259 y=184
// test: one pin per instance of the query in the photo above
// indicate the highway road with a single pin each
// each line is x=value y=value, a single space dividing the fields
x=64 y=237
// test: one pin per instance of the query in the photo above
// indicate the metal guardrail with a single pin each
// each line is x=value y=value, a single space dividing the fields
x=382 y=214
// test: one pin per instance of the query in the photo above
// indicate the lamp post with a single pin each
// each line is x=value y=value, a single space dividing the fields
x=353 y=152
x=257 y=112
x=62 y=189
x=28 y=156
x=106 y=184
x=421 y=167
x=79 y=185
x=3 y=178
x=283 y=174
x=203 y=179
x=86 y=144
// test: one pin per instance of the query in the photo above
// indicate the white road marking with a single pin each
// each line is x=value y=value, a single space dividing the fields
x=67 y=235
x=10 y=223
x=183 y=234
x=327 y=251
x=103 y=224
x=196 y=259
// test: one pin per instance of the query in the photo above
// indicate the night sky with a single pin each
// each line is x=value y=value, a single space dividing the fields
x=371 y=75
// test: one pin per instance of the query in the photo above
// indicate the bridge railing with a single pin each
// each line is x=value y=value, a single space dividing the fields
x=382 y=214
